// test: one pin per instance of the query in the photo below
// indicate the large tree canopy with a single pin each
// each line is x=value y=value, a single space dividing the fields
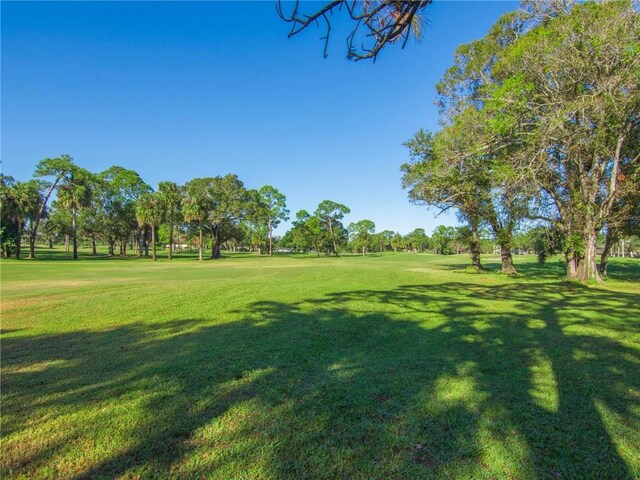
x=567 y=97
x=542 y=114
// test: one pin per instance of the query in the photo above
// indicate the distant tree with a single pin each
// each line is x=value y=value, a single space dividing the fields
x=545 y=241
x=8 y=227
x=50 y=230
x=330 y=214
x=75 y=192
x=397 y=242
x=230 y=204
x=442 y=237
x=53 y=171
x=256 y=233
x=417 y=240
x=384 y=22
x=274 y=210
x=150 y=211
x=307 y=232
x=172 y=199
x=21 y=202
x=91 y=223
x=362 y=232
x=383 y=239
x=122 y=188
x=196 y=206
x=624 y=220
x=58 y=223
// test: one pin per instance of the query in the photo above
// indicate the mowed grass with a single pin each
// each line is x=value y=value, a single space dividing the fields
x=386 y=367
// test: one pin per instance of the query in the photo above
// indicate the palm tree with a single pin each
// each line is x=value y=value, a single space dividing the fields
x=74 y=194
x=25 y=199
x=172 y=197
x=150 y=210
x=194 y=211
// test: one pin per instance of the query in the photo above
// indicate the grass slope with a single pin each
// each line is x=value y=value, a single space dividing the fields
x=394 y=366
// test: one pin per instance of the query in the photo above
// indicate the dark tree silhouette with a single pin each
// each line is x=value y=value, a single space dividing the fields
x=377 y=23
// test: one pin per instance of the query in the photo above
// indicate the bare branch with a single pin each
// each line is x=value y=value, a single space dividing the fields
x=384 y=22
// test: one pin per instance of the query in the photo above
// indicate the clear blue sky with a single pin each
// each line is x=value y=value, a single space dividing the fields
x=177 y=90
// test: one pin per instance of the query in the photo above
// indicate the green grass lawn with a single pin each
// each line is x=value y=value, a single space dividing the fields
x=386 y=367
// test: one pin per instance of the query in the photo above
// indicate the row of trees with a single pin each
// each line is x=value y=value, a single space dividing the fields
x=311 y=234
x=116 y=207
x=540 y=122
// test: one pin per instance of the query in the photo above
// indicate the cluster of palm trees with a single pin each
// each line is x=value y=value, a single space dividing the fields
x=117 y=208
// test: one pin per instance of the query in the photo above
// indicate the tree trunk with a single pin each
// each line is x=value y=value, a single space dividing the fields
x=153 y=241
x=333 y=239
x=270 y=238
x=50 y=243
x=363 y=251
x=586 y=268
x=171 y=239
x=506 y=258
x=608 y=243
x=141 y=242
x=146 y=241
x=93 y=245
x=571 y=265
x=111 y=248
x=34 y=228
x=201 y=246
x=474 y=248
x=66 y=243
x=74 y=232
x=19 y=241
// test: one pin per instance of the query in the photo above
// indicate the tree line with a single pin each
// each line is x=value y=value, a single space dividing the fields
x=117 y=208
x=540 y=123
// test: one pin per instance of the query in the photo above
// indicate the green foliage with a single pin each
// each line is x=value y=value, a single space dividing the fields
x=271 y=209
x=274 y=205
x=441 y=239
x=330 y=214
x=150 y=209
x=540 y=112
x=361 y=233
x=171 y=197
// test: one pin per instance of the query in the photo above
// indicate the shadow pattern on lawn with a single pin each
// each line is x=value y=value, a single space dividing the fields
x=341 y=393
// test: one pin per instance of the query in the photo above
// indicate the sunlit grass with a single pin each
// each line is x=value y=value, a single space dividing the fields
x=393 y=366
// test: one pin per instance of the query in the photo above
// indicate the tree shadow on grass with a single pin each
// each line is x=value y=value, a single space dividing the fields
x=618 y=269
x=625 y=270
x=452 y=380
x=56 y=254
